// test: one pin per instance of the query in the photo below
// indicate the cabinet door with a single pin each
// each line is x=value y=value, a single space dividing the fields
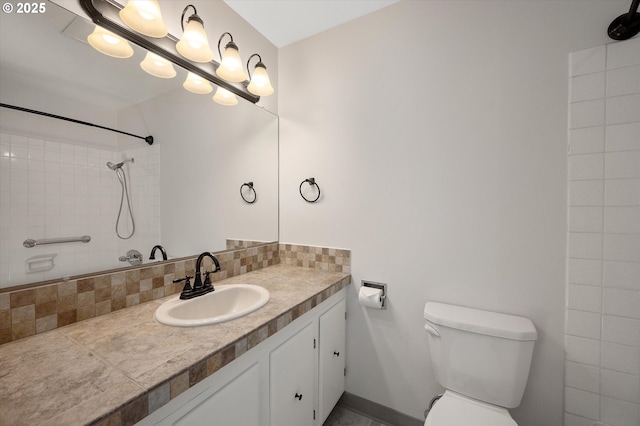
x=332 y=358
x=236 y=403
x=292 y=380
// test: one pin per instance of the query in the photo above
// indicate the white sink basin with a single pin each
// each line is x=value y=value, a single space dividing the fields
x=227 y=302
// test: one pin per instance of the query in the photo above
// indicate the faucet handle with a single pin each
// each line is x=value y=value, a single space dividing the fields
x=187 y=278
x=207 y=280
x=187 y=283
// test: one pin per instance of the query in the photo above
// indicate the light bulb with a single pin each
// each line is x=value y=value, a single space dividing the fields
x=144 y=16
x=225 y=97
x=196 y=84
x=110 y=44
x=230 y=68
x=157 y=66
x=260 y=84
x=194 y=44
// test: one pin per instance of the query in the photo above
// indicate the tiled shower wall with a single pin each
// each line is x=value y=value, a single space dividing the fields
x=602 y=335
x=52 y=189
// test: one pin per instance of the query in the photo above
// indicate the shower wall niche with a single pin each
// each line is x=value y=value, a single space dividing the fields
x=59 y=189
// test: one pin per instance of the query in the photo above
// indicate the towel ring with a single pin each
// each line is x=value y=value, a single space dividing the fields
x=312 y=182
x=251 y=188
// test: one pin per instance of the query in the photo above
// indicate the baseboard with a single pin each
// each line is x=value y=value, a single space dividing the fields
x=376 y=411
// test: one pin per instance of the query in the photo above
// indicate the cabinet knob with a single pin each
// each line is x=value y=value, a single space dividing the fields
x=299 y=396
x=336 y=353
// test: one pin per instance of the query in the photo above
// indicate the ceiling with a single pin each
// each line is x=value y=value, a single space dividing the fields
x=286 y=21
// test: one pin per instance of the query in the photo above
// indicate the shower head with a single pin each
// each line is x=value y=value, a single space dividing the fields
x=626 y=26
x=119 y=165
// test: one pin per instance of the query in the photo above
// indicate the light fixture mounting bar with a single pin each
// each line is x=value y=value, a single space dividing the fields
x=106 y=14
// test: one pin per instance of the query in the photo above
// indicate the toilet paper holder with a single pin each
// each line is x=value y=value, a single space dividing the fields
x=380 y=286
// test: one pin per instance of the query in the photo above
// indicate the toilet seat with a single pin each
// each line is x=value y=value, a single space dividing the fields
x=456 y=410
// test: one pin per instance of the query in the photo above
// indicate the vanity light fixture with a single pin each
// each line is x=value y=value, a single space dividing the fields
x=196 y=84
x=157 y=66
x=106 y=14
x=230 y=68
x=225 y=97
x=260 y=83
x=194 y=44
x=144 y=17
x=110 y=44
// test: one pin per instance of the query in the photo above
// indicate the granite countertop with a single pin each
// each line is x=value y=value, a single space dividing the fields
x=120 y=367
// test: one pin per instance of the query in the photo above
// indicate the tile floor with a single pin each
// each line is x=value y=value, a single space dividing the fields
x=340 y=416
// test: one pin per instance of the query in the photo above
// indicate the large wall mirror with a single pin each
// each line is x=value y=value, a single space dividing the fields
x=184 y=190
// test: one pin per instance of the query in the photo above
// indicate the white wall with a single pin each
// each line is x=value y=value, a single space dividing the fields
x=603 y=267
x=437 y=132
x=207 y=151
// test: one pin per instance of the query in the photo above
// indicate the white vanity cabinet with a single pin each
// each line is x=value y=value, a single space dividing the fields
x=294 y=378
x=237 y=402
x=331 y=357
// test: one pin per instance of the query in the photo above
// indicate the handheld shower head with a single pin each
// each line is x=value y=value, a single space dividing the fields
x=119 y=165
x=121 y=175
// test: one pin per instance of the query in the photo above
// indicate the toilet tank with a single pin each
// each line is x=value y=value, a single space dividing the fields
x=480 y=354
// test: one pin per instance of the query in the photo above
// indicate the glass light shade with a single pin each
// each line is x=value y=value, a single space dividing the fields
x=196 y=84
x=144 y=17
x=110 y=44
x=194 y=44
x=230 y=68
x=157 y=66
x=260 y=84
x=225 y=97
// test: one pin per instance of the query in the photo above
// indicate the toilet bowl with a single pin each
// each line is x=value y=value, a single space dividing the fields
x=457 y=410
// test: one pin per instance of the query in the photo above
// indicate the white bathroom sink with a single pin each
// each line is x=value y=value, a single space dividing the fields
x=227 y=302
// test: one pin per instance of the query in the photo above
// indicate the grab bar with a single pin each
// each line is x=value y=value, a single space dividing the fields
x=32 y=243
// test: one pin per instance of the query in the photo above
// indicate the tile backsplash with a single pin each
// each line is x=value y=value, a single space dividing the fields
x=47 y=306
x=323 y=258
x=602 y=332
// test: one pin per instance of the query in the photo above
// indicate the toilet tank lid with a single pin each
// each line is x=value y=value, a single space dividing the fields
x=478 y=321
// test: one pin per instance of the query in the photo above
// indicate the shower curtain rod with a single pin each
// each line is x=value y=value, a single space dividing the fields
x=147 y=139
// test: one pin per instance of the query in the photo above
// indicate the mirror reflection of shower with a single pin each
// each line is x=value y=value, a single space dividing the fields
x=125 y=194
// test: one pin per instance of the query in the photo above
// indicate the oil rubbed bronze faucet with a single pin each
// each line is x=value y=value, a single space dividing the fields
x=152 y=256
x=199 y=288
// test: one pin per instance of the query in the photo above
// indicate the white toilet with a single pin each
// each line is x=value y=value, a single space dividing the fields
x=482 y=359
